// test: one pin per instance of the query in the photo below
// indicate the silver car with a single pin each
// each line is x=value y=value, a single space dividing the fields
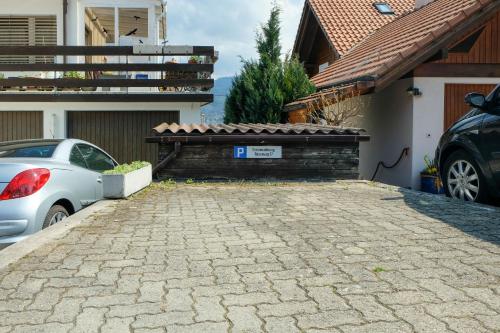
x=44 y=181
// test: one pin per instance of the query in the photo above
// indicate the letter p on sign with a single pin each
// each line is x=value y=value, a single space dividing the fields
x=240 y=152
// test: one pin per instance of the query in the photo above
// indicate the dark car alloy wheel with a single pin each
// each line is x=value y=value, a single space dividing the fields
x=463 y=181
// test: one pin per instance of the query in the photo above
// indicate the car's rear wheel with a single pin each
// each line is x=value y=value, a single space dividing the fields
x=55 y=215
x=463 y=179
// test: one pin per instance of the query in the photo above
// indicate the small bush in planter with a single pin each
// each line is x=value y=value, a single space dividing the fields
x=430 y=178
x=127 y=168
x=127 y=179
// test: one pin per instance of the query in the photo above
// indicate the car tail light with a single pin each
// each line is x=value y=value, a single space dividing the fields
x=25 y=183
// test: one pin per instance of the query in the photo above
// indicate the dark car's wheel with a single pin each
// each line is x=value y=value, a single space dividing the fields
x=463 y=179
x=55 y=215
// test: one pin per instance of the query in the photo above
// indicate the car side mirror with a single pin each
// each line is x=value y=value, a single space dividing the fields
x=476 y=100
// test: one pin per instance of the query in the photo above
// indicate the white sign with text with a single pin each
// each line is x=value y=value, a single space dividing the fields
x=258 y=152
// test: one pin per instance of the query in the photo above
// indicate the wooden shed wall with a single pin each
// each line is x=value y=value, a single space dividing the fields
x=300 y=161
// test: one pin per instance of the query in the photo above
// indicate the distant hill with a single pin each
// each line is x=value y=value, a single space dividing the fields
x=214 y=113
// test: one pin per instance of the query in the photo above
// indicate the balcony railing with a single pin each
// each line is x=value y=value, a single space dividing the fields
x=138 y=73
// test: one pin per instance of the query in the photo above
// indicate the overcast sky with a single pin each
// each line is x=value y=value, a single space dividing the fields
x=229 y=25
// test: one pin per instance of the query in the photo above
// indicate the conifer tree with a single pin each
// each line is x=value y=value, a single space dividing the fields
x=264 y=86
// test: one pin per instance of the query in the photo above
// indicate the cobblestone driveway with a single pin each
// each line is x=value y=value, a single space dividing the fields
x=344 y=257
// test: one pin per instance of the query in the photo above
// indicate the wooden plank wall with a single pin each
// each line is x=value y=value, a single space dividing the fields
x=300 y=161
x=454 y=104
x=120 y=133
x=486 y=50
x=21 y=125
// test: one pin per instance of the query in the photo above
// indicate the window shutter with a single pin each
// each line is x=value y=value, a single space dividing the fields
x=27 y=31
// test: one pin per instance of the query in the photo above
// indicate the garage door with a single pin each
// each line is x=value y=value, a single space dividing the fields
x=454 y=105
x=120 y=133
x=21 y=125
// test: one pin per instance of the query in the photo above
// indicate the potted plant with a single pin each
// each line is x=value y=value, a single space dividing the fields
x=194 y=60
x=127 y=179
x=430 y=178
x=2 y=77
x=74 y=75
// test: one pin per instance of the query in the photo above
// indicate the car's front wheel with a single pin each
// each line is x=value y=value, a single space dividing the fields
x=463 y=179
x=55 y=215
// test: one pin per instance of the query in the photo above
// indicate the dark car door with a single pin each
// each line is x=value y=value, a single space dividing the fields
x=490 y=136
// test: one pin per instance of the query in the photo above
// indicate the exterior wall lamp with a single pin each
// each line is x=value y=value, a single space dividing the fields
x=413 y=91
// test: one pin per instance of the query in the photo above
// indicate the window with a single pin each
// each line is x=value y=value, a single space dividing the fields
x=384 y=8
x=27 y=151
x=76 y=158
x=96 y=159
x=27 y=31
x=322 y=67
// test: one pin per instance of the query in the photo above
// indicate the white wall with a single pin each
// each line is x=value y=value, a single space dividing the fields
x=428 y=118
x=54 y=113
x=388 y=120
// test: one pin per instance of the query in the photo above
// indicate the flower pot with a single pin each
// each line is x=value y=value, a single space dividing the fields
x=431 y=184
x=124 y=185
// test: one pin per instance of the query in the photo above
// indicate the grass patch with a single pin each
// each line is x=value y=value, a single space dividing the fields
x=379 y=270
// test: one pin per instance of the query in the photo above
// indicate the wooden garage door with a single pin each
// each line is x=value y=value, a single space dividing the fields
x=454 y=100
x=21 y=125
x=120 y=133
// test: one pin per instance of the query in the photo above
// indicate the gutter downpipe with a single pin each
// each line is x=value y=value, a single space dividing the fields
x=65 y=13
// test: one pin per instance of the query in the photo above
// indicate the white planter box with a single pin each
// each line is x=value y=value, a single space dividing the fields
x=123 y=186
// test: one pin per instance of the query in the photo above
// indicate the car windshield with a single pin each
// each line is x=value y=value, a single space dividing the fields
x=27 y=150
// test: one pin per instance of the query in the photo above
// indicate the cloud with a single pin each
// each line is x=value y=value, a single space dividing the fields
x=229 y=25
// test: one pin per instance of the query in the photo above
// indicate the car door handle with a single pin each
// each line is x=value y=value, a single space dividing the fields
x=99 y=180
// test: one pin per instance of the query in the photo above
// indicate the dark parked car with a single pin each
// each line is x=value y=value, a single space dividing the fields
x=469 y=152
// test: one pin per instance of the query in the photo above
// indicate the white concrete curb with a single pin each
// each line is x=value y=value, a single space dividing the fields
x=21 y=249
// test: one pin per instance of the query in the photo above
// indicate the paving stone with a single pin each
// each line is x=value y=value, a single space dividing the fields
x=163 y=319
x=251 y=299
x=286 y=309
x=327 y=299
x=289 y=290
x=89 y=320
x=244 y=319
x=279 y=325
x=151 y=291
x=329 y=319
x=395 y=327
x=370 y=308
x=43 y=328
x=178 y=300
x=419 y=319
x=201 y=327
x=209 y=309
x=465 y=325
x=116 y=325
x=66 y=310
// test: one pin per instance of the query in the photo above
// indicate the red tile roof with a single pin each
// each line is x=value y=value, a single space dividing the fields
x=347 y=22
x=407 y=37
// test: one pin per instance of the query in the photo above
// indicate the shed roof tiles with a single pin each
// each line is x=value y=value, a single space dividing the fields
x=252 y=129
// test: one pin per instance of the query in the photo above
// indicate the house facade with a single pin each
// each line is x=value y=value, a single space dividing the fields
x=98 y=70
x=413 y=75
